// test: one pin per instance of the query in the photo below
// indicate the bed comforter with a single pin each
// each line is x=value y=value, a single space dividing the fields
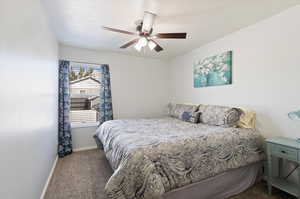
x=153 y=156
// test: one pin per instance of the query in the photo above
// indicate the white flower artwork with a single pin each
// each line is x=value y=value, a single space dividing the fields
x=213 y=71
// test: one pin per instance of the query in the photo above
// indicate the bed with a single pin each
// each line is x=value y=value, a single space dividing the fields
x=170 y=158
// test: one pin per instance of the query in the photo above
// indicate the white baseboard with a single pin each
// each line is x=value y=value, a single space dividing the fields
x=49 y=178
x=85 y=148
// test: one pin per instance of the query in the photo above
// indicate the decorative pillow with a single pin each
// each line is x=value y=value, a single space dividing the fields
x=247 y=119
x=192 y=117
x=178 y=109
x=219 y=115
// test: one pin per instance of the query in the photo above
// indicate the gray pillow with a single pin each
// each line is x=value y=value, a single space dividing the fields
x=192 y=117
x=219 y=115
x=178 y=109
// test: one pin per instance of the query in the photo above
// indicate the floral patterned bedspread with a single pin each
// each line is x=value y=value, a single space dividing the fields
x=153 y=156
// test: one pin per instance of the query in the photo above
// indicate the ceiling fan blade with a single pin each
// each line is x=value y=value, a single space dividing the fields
x=170 y=35
x=129 y=43
x=118 y=30
x=157 y=48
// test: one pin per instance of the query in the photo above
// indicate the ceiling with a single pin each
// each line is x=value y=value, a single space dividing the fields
x=78 y=22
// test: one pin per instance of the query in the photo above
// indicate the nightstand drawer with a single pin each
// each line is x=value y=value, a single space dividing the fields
x=285 y=152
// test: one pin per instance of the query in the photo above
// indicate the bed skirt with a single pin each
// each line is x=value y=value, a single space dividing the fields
x=221 y=186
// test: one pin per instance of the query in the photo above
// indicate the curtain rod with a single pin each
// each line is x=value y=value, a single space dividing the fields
x=85 y=62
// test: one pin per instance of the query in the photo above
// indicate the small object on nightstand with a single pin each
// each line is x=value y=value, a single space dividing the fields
x=288 y=149
x=295 y=115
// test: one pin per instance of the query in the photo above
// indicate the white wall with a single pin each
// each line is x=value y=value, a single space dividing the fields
x=139 y=85
x=28 y=99
x=266 y=68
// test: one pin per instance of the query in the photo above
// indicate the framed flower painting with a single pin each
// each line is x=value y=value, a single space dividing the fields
x=213 y=71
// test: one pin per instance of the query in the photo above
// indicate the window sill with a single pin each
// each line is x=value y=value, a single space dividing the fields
x=84 y=125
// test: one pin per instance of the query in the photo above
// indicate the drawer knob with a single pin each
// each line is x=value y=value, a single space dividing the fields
x=283 y=152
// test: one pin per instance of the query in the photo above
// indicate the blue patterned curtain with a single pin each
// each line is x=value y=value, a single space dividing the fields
x=64 y=127
x=106 y=110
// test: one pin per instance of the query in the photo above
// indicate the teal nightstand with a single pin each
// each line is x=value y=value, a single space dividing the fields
x=283 y=148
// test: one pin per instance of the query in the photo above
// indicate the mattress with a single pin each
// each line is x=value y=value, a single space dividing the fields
x=151 y=157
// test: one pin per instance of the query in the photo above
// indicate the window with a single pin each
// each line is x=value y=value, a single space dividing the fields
x=84 y=92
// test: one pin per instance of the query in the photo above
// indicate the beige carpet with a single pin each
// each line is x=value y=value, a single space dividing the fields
x=83 y=175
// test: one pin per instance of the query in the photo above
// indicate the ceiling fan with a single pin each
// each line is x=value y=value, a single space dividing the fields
x=144 y=32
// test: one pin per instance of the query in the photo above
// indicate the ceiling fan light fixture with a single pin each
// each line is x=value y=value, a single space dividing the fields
x=148 y=21
x=138 y=47
x=141 y=43
x=151 y=45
